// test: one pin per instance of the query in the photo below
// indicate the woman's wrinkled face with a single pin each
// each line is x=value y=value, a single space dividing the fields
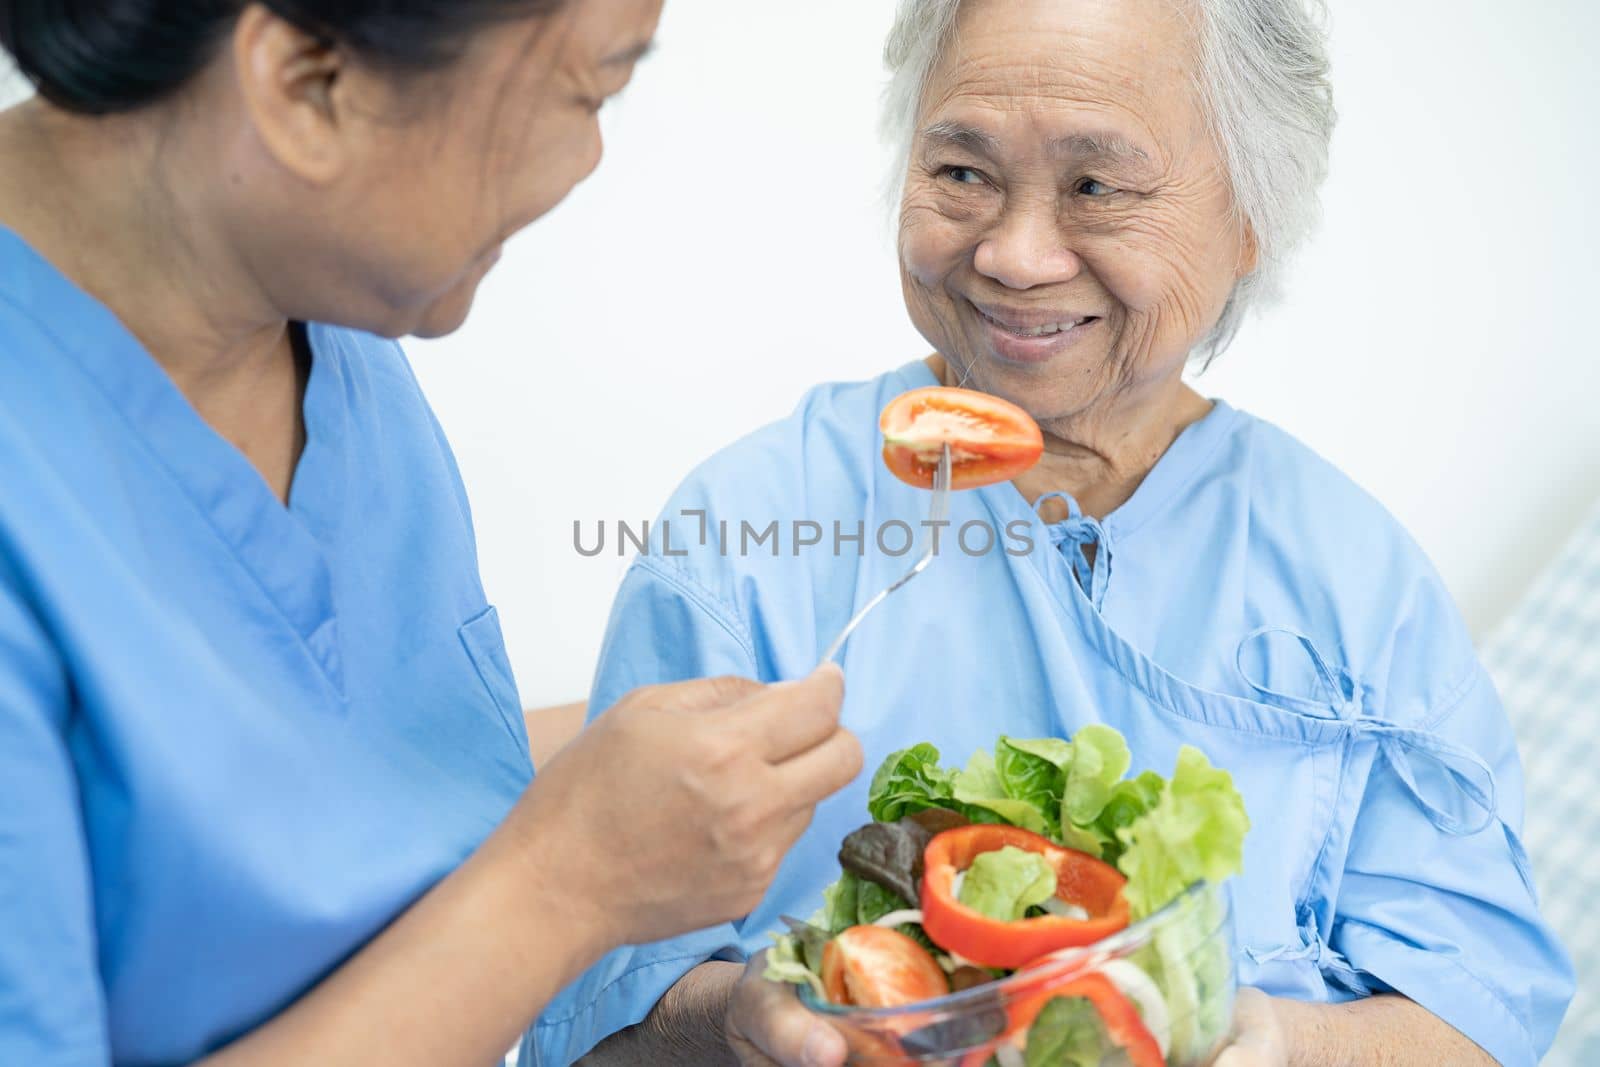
x=438 y=169
x=1066 y=232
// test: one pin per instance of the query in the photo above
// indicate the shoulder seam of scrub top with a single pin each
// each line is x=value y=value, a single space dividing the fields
x=178 y=483
x=721 y=612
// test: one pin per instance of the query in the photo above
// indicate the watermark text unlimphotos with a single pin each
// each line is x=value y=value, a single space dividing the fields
x=796 y=537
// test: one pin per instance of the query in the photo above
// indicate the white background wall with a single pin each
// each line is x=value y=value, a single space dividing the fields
x=1437 y=344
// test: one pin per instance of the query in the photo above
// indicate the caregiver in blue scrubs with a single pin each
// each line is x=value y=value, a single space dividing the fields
x=264 y=780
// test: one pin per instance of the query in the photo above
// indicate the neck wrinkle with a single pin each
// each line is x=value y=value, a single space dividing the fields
x=1101 y=455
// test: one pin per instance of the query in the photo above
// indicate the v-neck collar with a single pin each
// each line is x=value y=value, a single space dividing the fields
x=271 y=541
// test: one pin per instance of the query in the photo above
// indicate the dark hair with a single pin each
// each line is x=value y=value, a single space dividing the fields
x=103 y=56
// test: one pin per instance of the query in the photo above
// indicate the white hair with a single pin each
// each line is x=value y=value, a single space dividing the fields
x=1263 y=83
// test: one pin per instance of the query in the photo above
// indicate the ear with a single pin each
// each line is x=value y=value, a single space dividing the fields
x=287 y=78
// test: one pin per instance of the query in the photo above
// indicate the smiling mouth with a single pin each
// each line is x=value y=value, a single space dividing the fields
x=1047 y=329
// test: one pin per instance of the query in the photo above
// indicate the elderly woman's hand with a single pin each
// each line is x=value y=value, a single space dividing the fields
x=1259 y=1039
x=1387 y=1028
x=768 y=1025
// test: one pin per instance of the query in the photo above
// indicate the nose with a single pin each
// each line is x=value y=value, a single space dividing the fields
x=1026 y=250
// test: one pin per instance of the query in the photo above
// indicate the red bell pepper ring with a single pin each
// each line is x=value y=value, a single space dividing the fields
x=1081 y=880
x=980 y=1057
x=1118 y=1015
x=1124 y=1026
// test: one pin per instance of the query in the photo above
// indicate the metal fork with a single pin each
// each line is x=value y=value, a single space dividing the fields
x=938 y=512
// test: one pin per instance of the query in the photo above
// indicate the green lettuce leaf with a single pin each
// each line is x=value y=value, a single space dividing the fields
x=873 y=902
x=1030 y=771
x=1052 y=750
x=1067 y=1033
x=1194 y=832
x=909 y=781
x=785 y=963
x=1100 y=758
x=840 y=905
x=1130 y=799
x=1091 y=840
x=810 y=939
x=980 y=789
x=855 y=901
x=1004 y=884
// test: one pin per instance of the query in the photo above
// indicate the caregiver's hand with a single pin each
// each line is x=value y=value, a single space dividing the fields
x=670 y=814
x=1258 y=1035
x=673 y=811
x=768 y=1025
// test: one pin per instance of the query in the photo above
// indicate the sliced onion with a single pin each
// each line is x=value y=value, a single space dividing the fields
x=1010 y=1055
x=1057 y=906
x=1143 y=991
x=954 y=961
x=900 y=918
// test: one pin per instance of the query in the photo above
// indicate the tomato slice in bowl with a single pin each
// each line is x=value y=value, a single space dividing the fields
x=991 y=440
x=878 y=967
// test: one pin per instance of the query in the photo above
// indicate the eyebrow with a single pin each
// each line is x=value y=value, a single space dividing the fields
x=960 y=135
x=1101 y=144
x=1093 y=144
x=630 y=55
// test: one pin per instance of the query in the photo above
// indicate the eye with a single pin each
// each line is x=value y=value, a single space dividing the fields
x=1094 y=187
x=961 y=175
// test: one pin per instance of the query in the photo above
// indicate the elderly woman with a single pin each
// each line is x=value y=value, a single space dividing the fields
x=1094 y=196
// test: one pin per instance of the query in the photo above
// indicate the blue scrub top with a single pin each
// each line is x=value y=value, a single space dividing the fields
x=236 y=739
x=1248 y=599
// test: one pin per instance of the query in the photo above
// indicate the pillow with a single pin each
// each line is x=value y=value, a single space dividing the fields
x=1545 y=660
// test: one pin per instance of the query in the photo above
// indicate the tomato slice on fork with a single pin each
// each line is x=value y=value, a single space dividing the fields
x=991 y=440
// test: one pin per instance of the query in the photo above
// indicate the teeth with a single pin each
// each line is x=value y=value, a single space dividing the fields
x=1045 y=331
x=1038 y=331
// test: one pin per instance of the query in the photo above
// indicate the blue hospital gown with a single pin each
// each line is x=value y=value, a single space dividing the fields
x=236 y=738
x=1248 y=599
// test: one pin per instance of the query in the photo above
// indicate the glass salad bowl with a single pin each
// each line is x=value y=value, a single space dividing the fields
x=1174 y=970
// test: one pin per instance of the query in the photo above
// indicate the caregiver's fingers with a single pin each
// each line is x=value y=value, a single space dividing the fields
x=701 y=694
x=822 y=770
x=767 y=1024
x=790 y=718
x=1258 y=1039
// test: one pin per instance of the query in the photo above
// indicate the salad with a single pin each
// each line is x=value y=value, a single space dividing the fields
x=1015 y=867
